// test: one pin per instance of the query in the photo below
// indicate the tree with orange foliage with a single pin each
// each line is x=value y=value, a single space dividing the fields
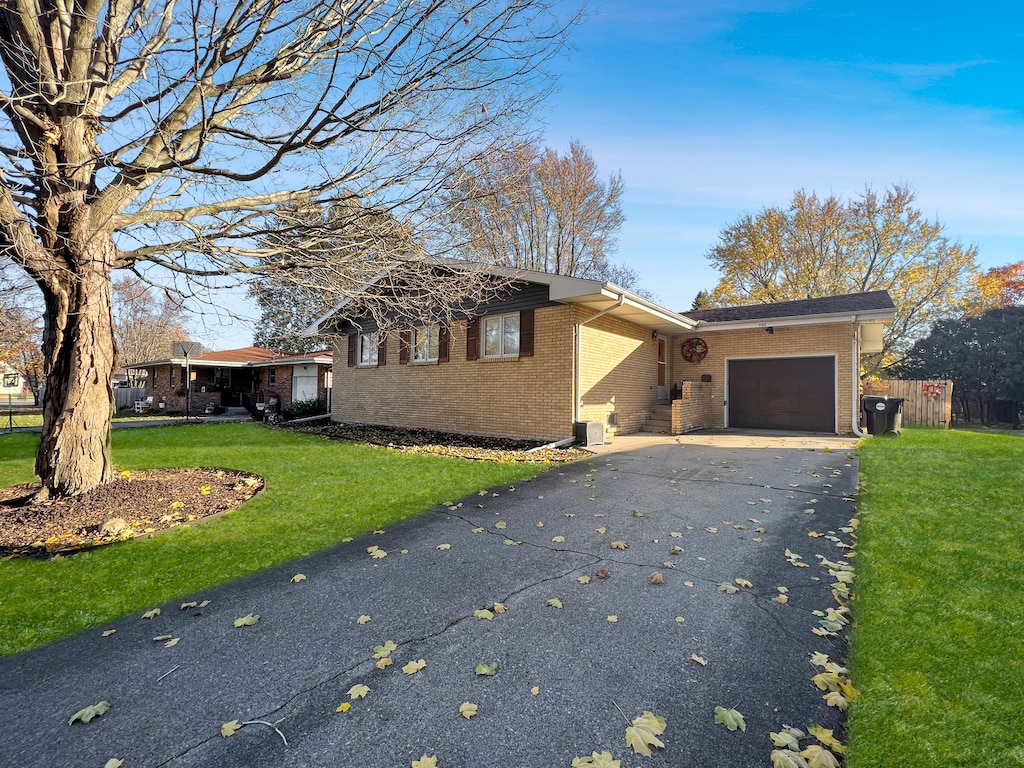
x=1007 y=284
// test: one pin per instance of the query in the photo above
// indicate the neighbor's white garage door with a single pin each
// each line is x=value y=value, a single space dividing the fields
x=304 y=383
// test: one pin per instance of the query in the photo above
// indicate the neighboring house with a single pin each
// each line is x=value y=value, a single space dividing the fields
x=237 y=377
x=555 y=351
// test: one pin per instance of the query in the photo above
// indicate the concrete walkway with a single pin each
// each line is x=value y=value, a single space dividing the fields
x=563 y=672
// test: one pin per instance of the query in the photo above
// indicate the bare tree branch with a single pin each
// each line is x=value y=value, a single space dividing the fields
x=162 y=137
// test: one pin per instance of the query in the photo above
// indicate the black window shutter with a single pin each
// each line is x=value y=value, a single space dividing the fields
x=442 y=344
x=473 y=339
x=526 y=333
x=353 y=346
x=382 y=350
x=404 y=342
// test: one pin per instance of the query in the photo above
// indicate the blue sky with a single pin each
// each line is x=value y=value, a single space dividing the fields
x=715 y=108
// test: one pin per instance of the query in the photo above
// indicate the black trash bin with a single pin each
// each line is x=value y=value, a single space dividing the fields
x=883 y=415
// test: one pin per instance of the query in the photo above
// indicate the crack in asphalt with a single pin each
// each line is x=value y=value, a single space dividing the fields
x=291 y=699
x=760 y=599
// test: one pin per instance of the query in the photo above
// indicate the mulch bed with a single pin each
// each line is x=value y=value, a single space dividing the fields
x=135 y=504
x=444 y=443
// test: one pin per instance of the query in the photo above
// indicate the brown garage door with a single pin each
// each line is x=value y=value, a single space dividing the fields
x=783 y=393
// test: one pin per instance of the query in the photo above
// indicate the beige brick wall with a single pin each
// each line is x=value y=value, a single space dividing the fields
x=528 y=397
x=692 y=411
x=618 y=372
x=786 y=341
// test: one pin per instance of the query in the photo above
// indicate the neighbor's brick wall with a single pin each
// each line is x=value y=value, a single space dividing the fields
x=159 y=387
x=787 y=341
x=527 y=397
x=692 y=411
x=619 y=372
x=281 y=388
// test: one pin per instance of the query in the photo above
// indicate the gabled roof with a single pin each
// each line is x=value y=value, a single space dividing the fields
x=599 y=295
x=850 y=304
x=243 y=355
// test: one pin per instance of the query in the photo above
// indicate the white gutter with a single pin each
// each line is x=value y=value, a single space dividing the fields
x=780 y=322
x=578 y=353
x=855 y=393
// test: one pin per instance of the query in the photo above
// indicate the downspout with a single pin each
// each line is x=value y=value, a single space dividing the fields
x=578 y=354
x=855 y=419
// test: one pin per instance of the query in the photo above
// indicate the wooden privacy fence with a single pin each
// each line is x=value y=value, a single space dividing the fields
x=927 y=403
x=125 y=397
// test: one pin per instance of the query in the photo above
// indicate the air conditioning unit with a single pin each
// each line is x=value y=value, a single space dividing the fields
x=590 y=432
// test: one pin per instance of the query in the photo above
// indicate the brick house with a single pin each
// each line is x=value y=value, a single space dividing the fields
x=238 y=377
x=555 y=351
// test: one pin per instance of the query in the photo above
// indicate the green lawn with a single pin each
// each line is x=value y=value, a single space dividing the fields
x=317 y=492
x=938 y=643
x=35 y=418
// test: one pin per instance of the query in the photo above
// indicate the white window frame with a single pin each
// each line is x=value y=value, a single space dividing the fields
x=500 y=320
x=271 y=376
x=369 y=344
x=426 y=343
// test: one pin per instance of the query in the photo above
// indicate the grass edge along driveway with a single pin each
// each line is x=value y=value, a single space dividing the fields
x=318 y=492
x=938 y=643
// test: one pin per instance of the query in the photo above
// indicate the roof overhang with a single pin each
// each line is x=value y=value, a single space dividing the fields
x=213 y=363
x=618 y=302
x=883 y=316
x=594 y=294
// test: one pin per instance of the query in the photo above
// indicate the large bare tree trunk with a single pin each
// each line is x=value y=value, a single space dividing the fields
x=78 y=347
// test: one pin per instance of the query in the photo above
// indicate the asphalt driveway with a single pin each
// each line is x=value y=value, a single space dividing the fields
x=733 y=505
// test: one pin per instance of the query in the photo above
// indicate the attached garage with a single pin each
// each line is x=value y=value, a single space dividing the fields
x=795 y=393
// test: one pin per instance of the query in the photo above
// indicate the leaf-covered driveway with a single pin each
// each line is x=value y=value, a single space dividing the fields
x=678 y=599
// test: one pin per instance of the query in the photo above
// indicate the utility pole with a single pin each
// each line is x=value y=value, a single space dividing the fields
x=187 y=348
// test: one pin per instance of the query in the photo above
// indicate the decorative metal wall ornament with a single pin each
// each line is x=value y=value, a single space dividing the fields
x=694 y=350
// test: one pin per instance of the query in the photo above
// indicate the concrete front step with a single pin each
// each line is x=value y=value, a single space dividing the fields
x=659 y=421
x=656 y=430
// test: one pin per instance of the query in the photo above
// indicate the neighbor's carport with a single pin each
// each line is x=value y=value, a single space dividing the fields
x=796 y=393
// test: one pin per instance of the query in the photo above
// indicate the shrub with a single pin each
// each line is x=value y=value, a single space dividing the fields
x=302 y=408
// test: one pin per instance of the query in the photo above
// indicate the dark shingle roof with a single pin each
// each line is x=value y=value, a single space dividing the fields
x=830 y=305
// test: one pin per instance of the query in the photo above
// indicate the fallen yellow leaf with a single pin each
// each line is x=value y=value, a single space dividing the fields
x=229 y=728
x=468 y=709
x=414 y=666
